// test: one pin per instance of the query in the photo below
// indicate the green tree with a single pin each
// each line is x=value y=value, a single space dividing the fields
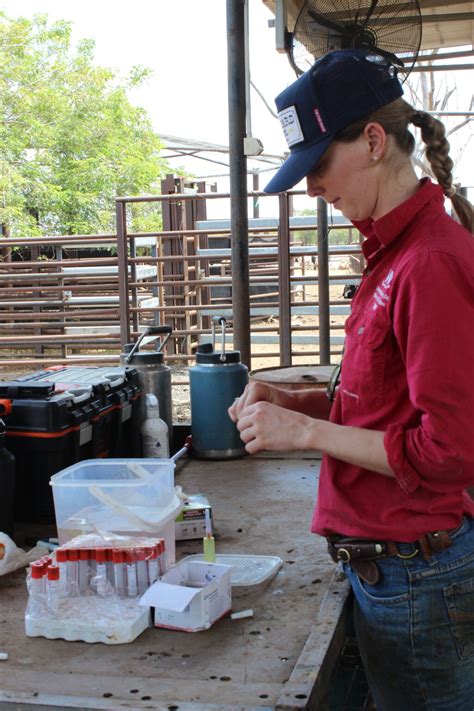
x=70 y=140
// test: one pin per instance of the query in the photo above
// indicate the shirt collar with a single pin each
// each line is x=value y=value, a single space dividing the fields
x=390 y=226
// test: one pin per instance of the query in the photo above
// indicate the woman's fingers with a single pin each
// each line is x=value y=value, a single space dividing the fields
x=267 y=426
x=253 y=393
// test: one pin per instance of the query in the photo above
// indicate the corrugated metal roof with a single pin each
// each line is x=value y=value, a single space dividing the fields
x=445 y=23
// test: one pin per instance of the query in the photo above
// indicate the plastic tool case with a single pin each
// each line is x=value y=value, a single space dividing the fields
x=59 y=416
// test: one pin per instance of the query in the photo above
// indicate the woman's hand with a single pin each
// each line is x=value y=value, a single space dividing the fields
x=256 y=392
x=263 y=425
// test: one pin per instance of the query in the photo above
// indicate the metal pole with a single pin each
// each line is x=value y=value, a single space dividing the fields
x=122 y=257
x=238 y=177
x=323 y=282
x=284 y=274
x=256 y=200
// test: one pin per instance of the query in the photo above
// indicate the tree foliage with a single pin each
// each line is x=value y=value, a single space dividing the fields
x=70 y=140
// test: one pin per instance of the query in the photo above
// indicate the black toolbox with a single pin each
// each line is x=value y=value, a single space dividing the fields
x=60 y=416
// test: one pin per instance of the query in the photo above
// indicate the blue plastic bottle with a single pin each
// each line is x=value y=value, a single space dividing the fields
x=215 y=381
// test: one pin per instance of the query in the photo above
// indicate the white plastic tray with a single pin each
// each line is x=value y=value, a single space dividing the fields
x=92 y=619
x=246 y=569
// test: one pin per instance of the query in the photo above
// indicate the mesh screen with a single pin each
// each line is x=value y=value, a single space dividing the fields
x=384 y=26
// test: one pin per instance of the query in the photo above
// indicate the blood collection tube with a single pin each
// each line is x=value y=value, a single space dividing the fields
x=132 y=582
x=37 y=578
x=142 y=570
x=73 y=571
x=61 y=561
x=118 y=559
x=101 y=563
x=84 y=558
x=153 y=564
x=37 y=590
x=110 y=566
x=162 y=557
x=52 y=589
x=101 y=582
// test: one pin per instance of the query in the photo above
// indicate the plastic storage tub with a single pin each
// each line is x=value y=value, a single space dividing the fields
x=129 y=497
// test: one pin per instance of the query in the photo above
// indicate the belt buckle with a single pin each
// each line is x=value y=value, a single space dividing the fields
x=343 y=555
x=407 y=556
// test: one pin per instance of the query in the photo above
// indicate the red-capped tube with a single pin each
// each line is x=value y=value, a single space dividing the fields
x=61 y=560
x=61 y=555
x=84 y=560
x=101 y=555
x=72 y=571
x=131 y=568
x=37 y=570
x=52 y=590
x=53 y=572
x=118 y=559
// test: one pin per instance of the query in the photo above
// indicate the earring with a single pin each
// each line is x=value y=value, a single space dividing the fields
x=375 y=157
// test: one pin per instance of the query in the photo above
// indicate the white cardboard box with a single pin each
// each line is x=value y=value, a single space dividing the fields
x=191 y=521
x=191 y=596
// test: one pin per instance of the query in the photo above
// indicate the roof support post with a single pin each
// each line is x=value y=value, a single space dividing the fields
x=323 y=282
x=238 y=176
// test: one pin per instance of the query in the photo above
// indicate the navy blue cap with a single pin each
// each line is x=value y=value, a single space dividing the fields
x=339 y=89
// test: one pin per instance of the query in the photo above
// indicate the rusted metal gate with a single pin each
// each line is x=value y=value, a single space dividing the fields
x=81 y=298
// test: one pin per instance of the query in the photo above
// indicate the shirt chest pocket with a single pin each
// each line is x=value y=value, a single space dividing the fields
x=363 y=372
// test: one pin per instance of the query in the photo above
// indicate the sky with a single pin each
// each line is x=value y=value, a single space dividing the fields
x=184 y=43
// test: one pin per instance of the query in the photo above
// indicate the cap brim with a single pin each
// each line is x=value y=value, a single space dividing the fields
x=297 y=166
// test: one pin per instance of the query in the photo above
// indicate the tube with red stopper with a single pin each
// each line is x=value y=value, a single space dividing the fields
x=73 y=571
x=52 y=590
x=37 y=589
x=142 y=570
x=153 y=563
x=132 y=582
x=162 y=557
x=84 y=559
x=118 y=560
x=61 y=561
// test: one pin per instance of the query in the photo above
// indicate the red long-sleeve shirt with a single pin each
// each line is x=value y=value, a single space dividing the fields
x=408 y=371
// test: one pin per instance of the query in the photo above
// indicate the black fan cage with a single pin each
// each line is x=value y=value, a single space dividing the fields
x=386 y=27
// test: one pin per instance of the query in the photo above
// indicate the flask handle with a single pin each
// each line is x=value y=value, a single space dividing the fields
x=220 y=320
x=150 y=331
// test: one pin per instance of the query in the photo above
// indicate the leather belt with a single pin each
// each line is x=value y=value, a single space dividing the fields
x=361 y=553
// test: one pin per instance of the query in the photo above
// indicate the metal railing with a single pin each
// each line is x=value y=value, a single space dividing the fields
x=61 y=303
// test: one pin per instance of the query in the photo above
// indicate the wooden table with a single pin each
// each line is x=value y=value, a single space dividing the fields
x=281 y=658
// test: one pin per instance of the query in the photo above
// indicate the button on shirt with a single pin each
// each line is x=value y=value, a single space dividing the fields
x=408 y=371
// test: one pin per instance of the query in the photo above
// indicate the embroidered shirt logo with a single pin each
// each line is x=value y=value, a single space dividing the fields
x=291 y=125
x=380 y=293
x=388 y=279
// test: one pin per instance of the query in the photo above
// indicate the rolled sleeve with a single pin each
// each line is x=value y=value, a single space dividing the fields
x=405 y=475
x=436 y=340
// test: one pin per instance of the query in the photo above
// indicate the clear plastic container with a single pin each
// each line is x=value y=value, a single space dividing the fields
x=246 y=570
x=131 y=497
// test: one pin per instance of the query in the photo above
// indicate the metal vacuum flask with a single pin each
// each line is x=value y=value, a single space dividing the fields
x=215 y=381
x=154 y=375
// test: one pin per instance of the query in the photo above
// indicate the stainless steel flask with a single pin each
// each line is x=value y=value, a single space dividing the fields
x=154 y=375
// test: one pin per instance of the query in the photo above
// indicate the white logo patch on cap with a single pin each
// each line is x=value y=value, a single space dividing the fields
x=291 y=125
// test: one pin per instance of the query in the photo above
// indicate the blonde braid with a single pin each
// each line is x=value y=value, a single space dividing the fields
x=433 y=134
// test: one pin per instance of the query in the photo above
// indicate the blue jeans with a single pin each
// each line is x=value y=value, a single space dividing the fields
x=415 y=628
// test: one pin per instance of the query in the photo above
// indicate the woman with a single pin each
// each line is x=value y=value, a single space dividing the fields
x=398 y=446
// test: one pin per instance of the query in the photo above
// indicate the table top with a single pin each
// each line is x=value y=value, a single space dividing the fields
x=261 y=505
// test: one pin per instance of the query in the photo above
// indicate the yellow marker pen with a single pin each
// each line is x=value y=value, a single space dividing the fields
x=209 y=546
